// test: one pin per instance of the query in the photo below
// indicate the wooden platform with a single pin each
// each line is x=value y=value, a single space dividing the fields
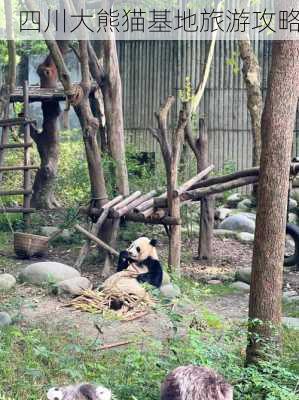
x=37 y=94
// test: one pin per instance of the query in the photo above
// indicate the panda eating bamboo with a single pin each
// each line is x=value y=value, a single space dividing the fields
x=142 y=254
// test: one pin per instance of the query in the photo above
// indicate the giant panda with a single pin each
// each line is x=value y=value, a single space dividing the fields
x=83 y=391
x=142 y=253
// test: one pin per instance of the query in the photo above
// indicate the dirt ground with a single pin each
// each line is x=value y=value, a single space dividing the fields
x=36 y=306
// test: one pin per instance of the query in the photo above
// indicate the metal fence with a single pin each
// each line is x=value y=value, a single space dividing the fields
x=153 y=70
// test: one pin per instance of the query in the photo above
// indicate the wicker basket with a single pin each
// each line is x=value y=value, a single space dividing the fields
x=27 y=245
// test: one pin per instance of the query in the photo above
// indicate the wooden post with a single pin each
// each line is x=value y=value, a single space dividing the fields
x=171 y=152
x=27 y=171
x=207 y=204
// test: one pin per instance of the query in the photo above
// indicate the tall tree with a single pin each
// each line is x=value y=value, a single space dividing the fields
x=277 y=135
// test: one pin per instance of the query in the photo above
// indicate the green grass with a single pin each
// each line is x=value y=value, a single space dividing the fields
x=33 y=360
x=291 y=309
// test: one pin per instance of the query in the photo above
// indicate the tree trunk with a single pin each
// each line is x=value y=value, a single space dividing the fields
x=207 y=203
x=48 y=140
x=267 y=265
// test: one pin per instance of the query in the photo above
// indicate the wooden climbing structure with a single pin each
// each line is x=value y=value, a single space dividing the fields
x=25 y=143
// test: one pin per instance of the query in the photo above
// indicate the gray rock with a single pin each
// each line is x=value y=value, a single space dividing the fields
x=46 y=272
x=222 y=213
x=292 y=323
x=50 y=230
x=166 y=278
x=233 y=200
x=289 y=293
x=245 y=237
x=244 y=287
x=5 y=319
x=292 y=204
x=290 y=297
x=225 y=233
x=214 y=282
x=245 y=205
x=238 y=223
x=74 y=286
x=170 y=291
x=295 y=194
x=250 y=215
x=293 y=218
x=244 y=275
x=7 y=282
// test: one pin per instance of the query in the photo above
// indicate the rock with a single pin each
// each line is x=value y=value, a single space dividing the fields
x=245 y=205
x=250 y=215
x=214 y=282
x=293 y=218
x=222 y=213
x=243 y=275
x=46 y=272
x=5 y=319
x=224 y=233
x=292 y=204
x=238 y=223
x=245 y=237
x=166 y=278
x=170 y=291
x=244 y=287
x=233 y=200
x=73 y=286
x=295 y=194
x=7 y=282
x=290 y=297
x=50 y=230
x=292 y=323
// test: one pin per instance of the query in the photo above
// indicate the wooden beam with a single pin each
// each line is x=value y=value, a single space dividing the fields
x=191 y=182
x=96 y=240
x=133 y=217
x=126 y=201
x=200 y=193
x=16 y=146
x=131 y=206
x=18 y=168
x=15 y=122
x=15 y=192
x=16 y=210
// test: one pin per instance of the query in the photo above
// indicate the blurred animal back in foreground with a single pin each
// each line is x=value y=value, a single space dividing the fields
x=83 y=391
x=195 y=383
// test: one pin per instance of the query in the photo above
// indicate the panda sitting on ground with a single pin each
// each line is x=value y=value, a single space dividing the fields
x=142 y=253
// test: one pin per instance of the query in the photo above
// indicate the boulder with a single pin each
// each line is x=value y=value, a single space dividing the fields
x=166 y=278
x=244 y=275
x=74 y=286
x=224 y=233
x=245 y=205
x=244 y=287
x=245 y=237
x=292 y=204
x=50 y=230
x=238 y=223
x=214 y=282
x=295 y=194
x=293 y=218
x=7 y=282
x=222 y=213
x=47 y=272
x=233 y=200
x=170 y=291
x=5 y=319
x=292 y=323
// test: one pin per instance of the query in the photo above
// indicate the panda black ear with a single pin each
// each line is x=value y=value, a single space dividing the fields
x=154 y=242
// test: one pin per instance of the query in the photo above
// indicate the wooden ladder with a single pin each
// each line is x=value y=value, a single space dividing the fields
x=26 y=191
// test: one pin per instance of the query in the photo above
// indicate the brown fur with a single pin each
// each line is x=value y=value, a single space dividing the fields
x=195 y=383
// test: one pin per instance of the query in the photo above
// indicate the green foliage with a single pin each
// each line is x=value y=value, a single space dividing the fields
x=186 y=94
x=233 y=62
x=33 y=360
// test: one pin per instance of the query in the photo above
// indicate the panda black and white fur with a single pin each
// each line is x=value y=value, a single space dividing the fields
x=83 y=391
x=142 y=252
